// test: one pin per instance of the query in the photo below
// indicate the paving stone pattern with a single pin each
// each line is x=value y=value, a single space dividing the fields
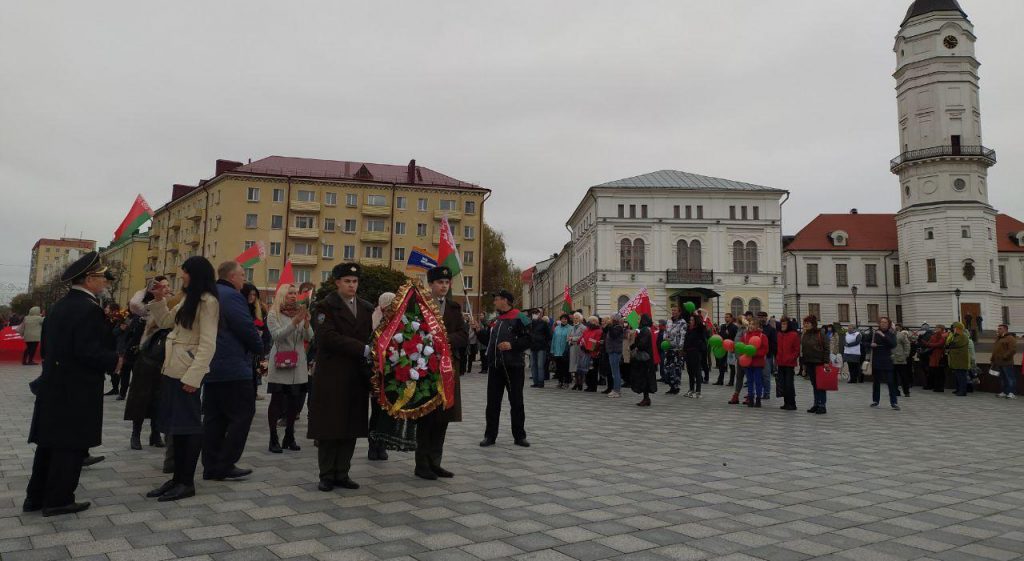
x=684 y=479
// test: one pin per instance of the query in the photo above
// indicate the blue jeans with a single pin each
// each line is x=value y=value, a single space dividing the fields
x=538 y=366
x=820 y=396
x=962 y=376
x=886 y=377
x=766 y=377
x=614 y=360
x=1008 y=376
x=755 y=382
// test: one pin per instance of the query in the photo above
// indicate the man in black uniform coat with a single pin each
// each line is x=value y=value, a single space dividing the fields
x=432 y=428
x=508 y=339
x=78 y=349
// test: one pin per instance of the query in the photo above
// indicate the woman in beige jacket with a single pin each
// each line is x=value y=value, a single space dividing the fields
x=189 y=349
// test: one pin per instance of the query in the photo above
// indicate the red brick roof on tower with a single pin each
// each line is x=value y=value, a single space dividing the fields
x=868 y=232
x=337 y=169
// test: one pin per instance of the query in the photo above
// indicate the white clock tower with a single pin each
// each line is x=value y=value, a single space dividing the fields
x=947 y=243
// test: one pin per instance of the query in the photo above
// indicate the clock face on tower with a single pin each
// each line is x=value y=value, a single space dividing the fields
x=950 y=42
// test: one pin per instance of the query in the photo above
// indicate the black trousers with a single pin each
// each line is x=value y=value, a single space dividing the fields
x=228 y=409
x=55 y=473
x=186 y=457
x=937 y=378
x=562 y=369
x=787 y=385
x=905 y=377
x=30 y=352
x=430 y=433
x=467 y=358
x=694 y=362
x=856 y=372
x=126 y=378
x=335 y=458
x=498 y=379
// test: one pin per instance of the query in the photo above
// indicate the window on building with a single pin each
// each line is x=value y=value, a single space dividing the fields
x=1006 y=315
x=327 y=251
x=870 y=274
x=732 y=212
x=469 y=207
x=899 y=314
x=373 y=252
x=1002 y=277
x=302 y=275
x=421 y=230
x=873 y=313
x=688 y=255
x=325 y=276
x=376 y=200
x=757 y=213
x=273 y=276
x=622 y=211
x=632 y=211
x=329 y=224
x=754 y=306
x=401 y=203
x=251 y=221
x=400 y=228
x=303 y=248
x=278 y=195
x=814 y=309
x=350 y=225
x=249 y=275
x=689 y=211
x=842 y=275
x=421 y=205
x=375 y=225
x=933 y=274
x=744 y=257
x=812 y=274
x=736 y=307
x=467 y=258
x=399 y=254
x=276 y=222
x=625 y=255
x=743 y=212
x=643 y=211
x=467 y=282
x=896 y=280
x=844 y=313
x=349 y=252
x=622 y=301
x=275 y=248
x=305 y=196
x=351 y=199
x=248 y=243
x=639 y=255
x=906 y=269
x=448 y=204
x=929 y=234
x=305 y=222
x=675 y=211
x=252 y=194
x=700 y=212
x=965 y=231
x=468 y=232
x=989 y=234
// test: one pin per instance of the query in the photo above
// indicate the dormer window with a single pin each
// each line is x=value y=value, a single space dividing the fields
x=839 y=238
x=1018 y=238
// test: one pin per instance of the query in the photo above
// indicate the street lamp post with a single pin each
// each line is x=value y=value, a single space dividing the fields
x=856 y=316
x=958 y=316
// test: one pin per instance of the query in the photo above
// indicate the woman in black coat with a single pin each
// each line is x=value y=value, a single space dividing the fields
x=643 y=378
x=695 y=349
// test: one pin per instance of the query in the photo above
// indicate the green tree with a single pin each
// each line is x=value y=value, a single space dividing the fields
x=374 y=281
x=22 y=303
x=498 y=270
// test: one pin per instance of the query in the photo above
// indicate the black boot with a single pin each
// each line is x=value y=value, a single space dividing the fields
x=136 y=440
x=155 y=440
x=275 y=444
x=289 y=438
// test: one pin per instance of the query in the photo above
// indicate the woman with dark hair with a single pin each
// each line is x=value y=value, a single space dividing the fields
x=258 y=310
x=695 y=347
x=144 y=392
x=643 y=377
x=189 y=349
x=883 y=340
x=814 y=352
x=788 y=355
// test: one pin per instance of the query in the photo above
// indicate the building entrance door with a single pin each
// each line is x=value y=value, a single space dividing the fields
x=969 y=311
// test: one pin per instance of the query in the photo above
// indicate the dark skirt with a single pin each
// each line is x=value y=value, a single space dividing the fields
x=180 y=411
x=643 y=377
x=288 y=389
x=143 y=400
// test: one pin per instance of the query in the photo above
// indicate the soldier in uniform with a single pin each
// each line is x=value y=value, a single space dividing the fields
x=340 y=404
x=78 y=349
x=431 y=428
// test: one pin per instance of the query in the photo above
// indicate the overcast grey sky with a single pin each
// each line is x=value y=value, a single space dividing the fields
x=537 y=101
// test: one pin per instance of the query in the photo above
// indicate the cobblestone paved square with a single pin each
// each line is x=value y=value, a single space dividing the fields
x=684 y=479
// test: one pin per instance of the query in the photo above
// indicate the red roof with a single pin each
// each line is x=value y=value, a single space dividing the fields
x=527 y=275
x=877 y=232
x=66 y=242
x=364 y=171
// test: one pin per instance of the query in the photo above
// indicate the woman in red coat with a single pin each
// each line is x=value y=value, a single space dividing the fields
x=755 y=371
x=787 y=356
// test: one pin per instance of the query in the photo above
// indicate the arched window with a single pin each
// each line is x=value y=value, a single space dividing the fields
x=751 y=257
x=638 y=254
x=695 y=255
x=626 y=255
x=623 y=300
x=736 y=306
x=754 y=305
x=682 y=255
x=738 y=258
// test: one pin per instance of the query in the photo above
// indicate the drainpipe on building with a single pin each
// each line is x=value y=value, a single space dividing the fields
x=593 y=311
x=885 y=265
x=479 y=298
x=796 y=281
x=391 y=221
x=786 y=198
x=572 y=256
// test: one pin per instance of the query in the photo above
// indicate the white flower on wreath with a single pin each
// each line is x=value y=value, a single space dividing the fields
x=427 y=351
x=393 y=357
x=405 y=320
x=398 y=338
x=415 y=326
x=414 y=374
x=414 y=357
x=421 y=364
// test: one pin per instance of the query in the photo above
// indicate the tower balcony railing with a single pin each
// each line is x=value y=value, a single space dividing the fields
x=987 y=154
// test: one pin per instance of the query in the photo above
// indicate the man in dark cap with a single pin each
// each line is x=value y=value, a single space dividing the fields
x=339 y=404
x=78 y=348
x=509 y=339
x=432 y=428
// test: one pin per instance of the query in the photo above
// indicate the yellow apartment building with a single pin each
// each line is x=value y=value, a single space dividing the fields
x=127 y=260
x=318 y=213
x=51 y=256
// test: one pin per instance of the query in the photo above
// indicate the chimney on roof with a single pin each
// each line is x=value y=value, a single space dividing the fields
x=853 y=211
x=224 y=166
x=412 y=172
x=178 y=191
x=348 y=169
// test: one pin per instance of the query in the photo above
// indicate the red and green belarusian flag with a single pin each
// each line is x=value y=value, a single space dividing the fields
x=139 y=214
x=252 y=256
x=566 y=301
x=636 y=307
x=447 y=253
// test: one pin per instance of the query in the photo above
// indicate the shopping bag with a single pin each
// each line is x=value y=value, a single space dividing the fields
x=826 y=378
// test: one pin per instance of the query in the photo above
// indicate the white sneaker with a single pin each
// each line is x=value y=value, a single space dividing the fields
x=1000 y=394
x=1010 y=396
x=614 y=394
x=688 y=394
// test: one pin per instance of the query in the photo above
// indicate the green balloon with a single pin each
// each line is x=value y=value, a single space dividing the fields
x=689 y=307
x=666 y=345
x=715 y=341
x=719 y=352
x=749 y=350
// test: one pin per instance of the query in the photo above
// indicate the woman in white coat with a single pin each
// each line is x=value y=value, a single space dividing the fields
x=288 y=373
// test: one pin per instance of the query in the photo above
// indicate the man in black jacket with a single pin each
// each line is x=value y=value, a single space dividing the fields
x=540 y=342
x=509 y=337
x=77 y=348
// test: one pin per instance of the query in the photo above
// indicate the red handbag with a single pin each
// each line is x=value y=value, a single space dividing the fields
x=826 y=378
x=284 y=360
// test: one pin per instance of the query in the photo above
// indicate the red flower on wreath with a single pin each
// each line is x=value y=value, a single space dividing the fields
x=402 y=373
x=409 y=345
x=434 y=363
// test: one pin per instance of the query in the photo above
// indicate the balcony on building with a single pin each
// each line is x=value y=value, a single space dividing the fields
x=303 y=233
x=194 y=214
x=375 y=237
x=374 y=261
x=453 y=215
x=174 y=225
x=172 y=249
x=937 y=153
x=305 y=206
x=191 y=239
x=371 y=210
x=304 y=259
x=689 y=277
x=153 y=252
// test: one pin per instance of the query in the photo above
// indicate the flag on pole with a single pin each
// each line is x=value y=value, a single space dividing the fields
x=447 y=253
x=139 y=214
x=636 y=307
x=566 y=301
x=287 y=275
x=251 y=256
x=420 y=259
